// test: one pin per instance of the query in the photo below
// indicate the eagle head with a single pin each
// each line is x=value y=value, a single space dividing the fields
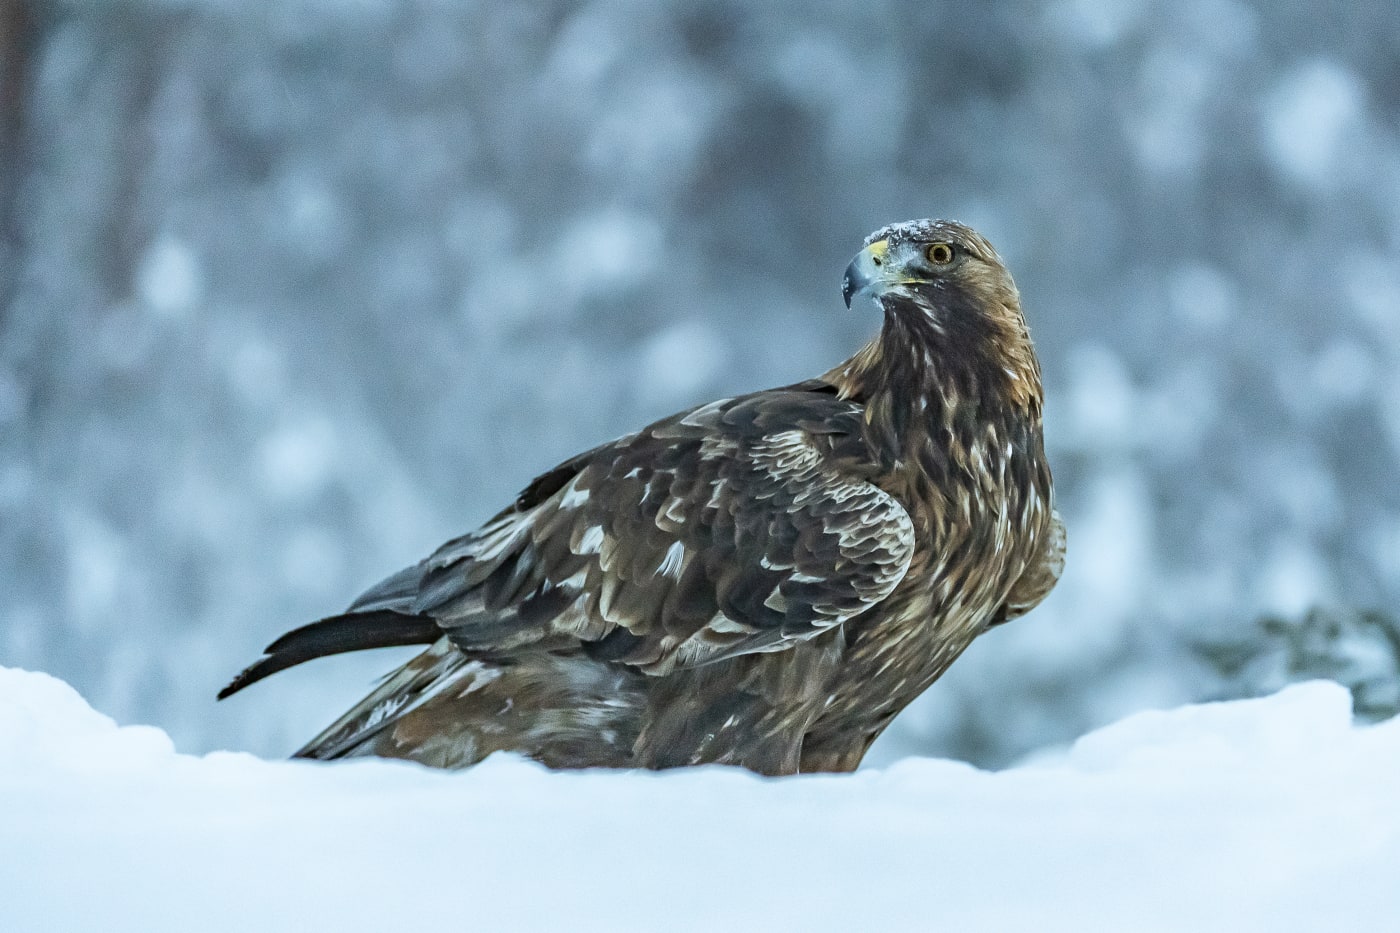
x=950 y=306
x=937 y=264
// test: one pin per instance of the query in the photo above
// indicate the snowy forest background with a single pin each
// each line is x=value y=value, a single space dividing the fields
x=292 y=292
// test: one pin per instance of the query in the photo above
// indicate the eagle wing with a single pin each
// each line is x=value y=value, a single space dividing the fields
x=742 y=526
x=1038 y=579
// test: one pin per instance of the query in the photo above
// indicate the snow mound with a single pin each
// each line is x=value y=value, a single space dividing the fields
x=1271 y=814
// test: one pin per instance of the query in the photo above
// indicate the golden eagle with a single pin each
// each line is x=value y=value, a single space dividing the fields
x=762 y=581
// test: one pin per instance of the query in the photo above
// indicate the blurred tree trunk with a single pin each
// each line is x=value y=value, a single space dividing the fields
x=17 y=41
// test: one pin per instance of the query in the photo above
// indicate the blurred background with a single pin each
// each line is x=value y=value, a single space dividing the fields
x=291 y=292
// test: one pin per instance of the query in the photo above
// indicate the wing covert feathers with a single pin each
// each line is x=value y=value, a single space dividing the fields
x=1040 y=577
x=744 y=526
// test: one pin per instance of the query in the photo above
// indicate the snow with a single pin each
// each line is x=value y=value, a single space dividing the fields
x=1271 y=814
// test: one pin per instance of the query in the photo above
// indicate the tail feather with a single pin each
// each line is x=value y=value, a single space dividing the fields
x=355 y=631
x=397 y=696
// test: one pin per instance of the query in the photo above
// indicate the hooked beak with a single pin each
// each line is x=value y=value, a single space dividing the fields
x=865 y=271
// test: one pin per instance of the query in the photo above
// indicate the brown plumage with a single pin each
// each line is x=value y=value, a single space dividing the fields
x=762 y=581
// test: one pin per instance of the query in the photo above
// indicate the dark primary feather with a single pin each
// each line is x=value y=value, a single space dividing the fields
x=763 y=581
x=354 y=631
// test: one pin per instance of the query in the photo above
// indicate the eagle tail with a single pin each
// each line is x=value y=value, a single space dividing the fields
x=355 y=631
x=398 y=695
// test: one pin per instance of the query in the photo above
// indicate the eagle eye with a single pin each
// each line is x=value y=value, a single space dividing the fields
x=940 y=254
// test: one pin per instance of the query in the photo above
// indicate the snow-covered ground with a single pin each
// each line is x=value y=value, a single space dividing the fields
x=1273 y=814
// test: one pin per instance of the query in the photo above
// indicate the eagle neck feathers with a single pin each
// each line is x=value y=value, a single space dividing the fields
x=952 y=395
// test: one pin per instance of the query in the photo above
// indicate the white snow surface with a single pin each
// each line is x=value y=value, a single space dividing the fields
x=1271 y=814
